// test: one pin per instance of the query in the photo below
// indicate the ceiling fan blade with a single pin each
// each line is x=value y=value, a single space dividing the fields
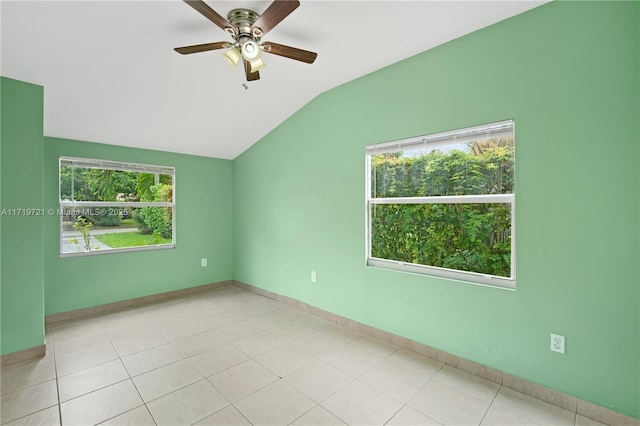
x=209 y=13
x=289 y=52
x=185 y=50
x=251 y=76
x=275 y=13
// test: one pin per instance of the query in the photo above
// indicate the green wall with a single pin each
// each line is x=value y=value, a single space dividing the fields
x=204 y=217
x=21 y=255
x=567 y=73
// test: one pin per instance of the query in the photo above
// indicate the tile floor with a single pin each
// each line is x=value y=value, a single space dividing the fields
x=232 y=357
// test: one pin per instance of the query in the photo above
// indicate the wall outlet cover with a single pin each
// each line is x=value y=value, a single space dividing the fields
x=557 y=343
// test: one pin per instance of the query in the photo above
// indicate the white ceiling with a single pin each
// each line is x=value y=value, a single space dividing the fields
x=110 y=73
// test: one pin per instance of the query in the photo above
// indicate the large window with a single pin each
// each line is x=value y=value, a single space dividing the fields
x=108 y=206
x=444 y=204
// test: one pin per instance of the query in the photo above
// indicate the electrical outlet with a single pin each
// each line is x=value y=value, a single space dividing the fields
x=557 y=343
x=313 y=276
x=203 y=262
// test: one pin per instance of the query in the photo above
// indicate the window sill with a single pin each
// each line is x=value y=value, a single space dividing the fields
x=469 y=277
x=117 y=250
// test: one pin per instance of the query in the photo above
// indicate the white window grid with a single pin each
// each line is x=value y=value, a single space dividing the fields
x=504 y=128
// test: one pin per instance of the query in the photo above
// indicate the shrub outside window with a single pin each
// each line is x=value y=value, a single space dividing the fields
x=444 y=204
x=110 y=206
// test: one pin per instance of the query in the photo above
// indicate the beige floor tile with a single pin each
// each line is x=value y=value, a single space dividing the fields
x=182 y=329
x=448 y=405
x=468 y=383
x=342 y=333
x=130 y=330
x=585 y=421
x=395 y=380
x=532 y=409
x=416 y=362
x=28 y=401
x=352 y=360
x=187 y=405
x=194 y=306
x=407 y=416
x=253 y=298
x=218 y=359
x=238 y=331
x=137 y=417
x=264 y=307
x=318 y=380
x=285 y=360
x=80 y=344
x=278 y=317
x=163 y=380
x=194 y=345
x=299 y=328
x=276 y=404
x=151 y=359
x=319 y=344
x=360 y=404
x=260 y=343
x=123 y=319
x=138 y=342
x=215 y=307
x=318 y=416
x=227 y=318
x=26 y=373
x=274 y=362
x=242 y=380
x=74 y=329
x=228 y=416
x=87 y=358
x=91 y=379
x=291 y=331
x=498 y=417
x=375 y=346
x=161 y=320
x=159 y=310
x=100 y=405
x=47 y=417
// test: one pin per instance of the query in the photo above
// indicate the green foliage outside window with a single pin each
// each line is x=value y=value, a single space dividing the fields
x=96 y=184
x=158 y=219
x=467 y=237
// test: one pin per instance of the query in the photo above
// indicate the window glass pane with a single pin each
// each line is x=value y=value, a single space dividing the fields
x=107 y=228
x=96 y=184
x=471 y=168
x=464 y=237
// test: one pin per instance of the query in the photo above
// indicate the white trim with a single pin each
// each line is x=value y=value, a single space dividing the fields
x=448 y=199
x=499 y=129
x=367 y=197
x=494 y=130
x=92 y=163
x=132 y=204
x=453 y=274
x=117 y=250
x=120 y=166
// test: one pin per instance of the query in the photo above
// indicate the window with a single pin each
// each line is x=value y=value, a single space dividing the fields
x=444 y=204
x=109 y=206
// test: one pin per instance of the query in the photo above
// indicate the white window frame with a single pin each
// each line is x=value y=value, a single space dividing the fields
x=72 y=205
x=486 y=131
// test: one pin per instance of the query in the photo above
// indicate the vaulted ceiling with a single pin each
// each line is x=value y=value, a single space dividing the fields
x=111 y=75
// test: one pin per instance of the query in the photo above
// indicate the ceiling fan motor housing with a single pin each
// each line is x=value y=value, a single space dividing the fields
x=243 y=19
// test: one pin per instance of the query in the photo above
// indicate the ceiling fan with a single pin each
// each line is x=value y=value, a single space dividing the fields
x=247 y=28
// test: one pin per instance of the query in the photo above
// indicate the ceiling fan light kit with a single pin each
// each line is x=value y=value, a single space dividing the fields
x=232 y=57
x=247 y=28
